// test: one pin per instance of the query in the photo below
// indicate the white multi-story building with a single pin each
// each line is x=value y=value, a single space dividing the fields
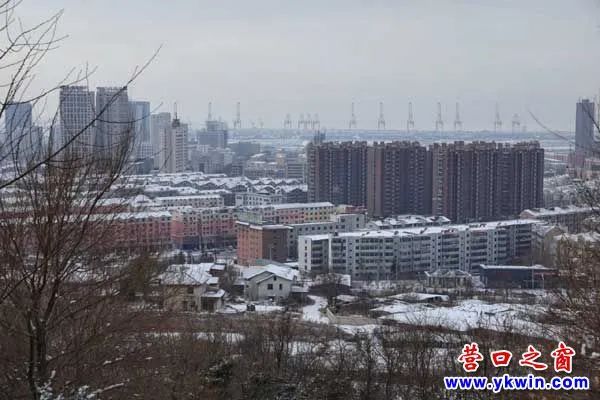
x=288 y=213
x=196 y=201
x=159 y=123
x=337 y=223
x=570 y=217
x=389 y=254
x=258 y=198
x=408 y=221
x=174 y=148
x=76 y=113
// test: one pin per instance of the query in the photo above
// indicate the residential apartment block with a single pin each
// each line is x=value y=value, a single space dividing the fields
x=261 y=241
x=337 y=172
x=466 y=182
x=398 y=178
x=337 y=223
x=482 y=181
x=570 y=217
x=390 y=254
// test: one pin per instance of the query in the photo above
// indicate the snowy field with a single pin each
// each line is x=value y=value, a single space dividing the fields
x=462 y=316
x=470 y=314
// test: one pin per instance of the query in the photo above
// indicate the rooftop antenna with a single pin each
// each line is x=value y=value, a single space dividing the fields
x=497 y=121
x=352 y=123
x=260 y=123
x=381 y=119
x=516 y=123
x=457 y=121
x=287 y=122
x=410 y=122
x=237 y=122
x=439 y=122
x=209 y=111
x=307 y=121
x=301 y=121
x=175 y=122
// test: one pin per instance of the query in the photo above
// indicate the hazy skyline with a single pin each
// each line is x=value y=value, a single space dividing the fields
x=315 y=56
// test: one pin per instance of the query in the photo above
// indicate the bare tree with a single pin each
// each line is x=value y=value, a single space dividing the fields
x=22 y=50
x=64 y=319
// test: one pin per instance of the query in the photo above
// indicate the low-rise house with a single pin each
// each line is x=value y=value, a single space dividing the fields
x=271 y=282
x=516 y=276
x=448 y=279
x=543 y=243
x=191 y=287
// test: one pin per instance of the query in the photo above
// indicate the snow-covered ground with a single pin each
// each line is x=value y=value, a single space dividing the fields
x=260 y=308
x=312 y=312
x=353 y=329
x=469 y=314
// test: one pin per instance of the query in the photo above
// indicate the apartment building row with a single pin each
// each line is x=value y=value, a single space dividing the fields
x=190 y=228
x=572 y=218
x=465 y=182
x=392 y=254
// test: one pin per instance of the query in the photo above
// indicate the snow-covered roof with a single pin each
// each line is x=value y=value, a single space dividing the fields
x=451 y=273
x=554 y=211
x=214 y=294
x=408 y=232
x=188 y=274
x=421 y=296
x=411 y=220
x=584 y=236
x=280 y=271
x=143 y=214
x=536 y=267
x=301 y=205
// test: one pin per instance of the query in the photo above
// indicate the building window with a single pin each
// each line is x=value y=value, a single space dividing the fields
x=280 y=286
x=190 y=290
x=270 y=286
x=274 y=277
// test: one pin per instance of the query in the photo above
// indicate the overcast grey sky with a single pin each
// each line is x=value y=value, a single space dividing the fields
x=278 y=56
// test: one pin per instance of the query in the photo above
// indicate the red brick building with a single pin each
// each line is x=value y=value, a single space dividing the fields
x=261 y=241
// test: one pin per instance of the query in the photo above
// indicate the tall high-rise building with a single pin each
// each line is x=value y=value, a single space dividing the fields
x=337 y=172
x=398 y=179
x=76 y=113
x=478 y=181
x=114 y=127
x=585 y=144
x=481 y=181
x=159 y=123
x=20 y=137
x=174 y=144
x=215 y=135
x=17 y=118
x=140 y=112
